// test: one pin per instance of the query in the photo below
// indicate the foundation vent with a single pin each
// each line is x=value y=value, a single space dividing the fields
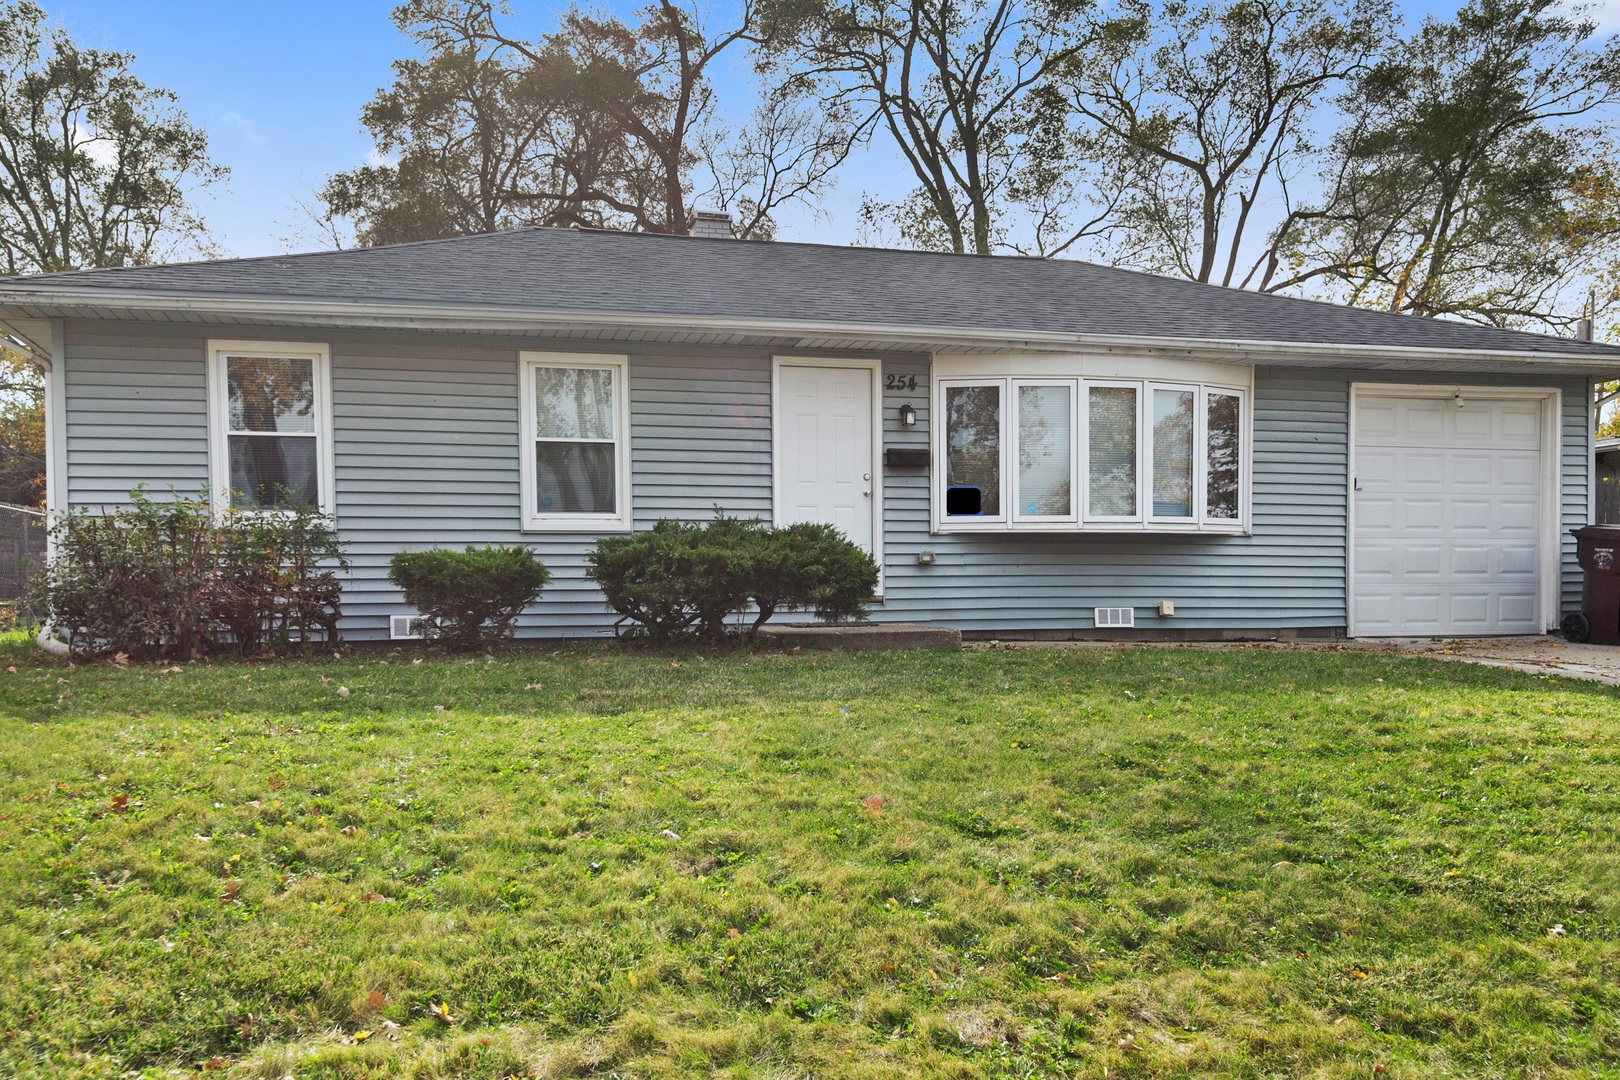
x=1107 y=617
x=405 y=627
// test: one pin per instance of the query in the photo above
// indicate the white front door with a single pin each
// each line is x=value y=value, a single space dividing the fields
x=825 y=467
x=1448 y=515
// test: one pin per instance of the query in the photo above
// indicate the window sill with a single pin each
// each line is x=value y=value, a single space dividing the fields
x=1070 y=529
x=576 y=525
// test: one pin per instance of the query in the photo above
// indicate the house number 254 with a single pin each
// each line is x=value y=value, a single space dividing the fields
x=900 y=382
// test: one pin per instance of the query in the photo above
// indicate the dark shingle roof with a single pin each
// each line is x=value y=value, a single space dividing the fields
x=602 y=273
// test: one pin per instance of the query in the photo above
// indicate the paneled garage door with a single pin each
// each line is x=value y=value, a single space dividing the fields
x=1447 y=515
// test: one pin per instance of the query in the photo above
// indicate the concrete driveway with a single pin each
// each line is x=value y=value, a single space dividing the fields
x=1543 y=655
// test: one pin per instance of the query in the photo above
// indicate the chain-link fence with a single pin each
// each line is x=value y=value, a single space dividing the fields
x=22 y=548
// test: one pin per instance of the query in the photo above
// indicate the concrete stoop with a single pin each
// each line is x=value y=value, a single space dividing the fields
x=875 y=636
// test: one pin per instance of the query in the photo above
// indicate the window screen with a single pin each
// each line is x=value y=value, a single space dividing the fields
x=1224 y=434
x=576 y=451
x=1172 y=453
x=1045 y=451
x=1112 y=451
x=272 y=431
x=973 y=451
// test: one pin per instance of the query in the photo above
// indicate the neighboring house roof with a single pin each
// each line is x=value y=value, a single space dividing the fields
x=1605 y=446
x=592 y=278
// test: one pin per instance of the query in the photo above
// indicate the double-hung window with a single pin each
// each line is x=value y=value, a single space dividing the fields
x=270 y=425
x=576 y=447
x=1105 y=454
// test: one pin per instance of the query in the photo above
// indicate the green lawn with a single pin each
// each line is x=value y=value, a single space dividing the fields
x=1136 y=862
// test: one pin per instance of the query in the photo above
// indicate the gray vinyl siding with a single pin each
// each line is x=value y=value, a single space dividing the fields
x=136 y=413
x=426 y=448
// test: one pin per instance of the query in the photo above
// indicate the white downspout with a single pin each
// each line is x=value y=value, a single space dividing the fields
x=55 y=374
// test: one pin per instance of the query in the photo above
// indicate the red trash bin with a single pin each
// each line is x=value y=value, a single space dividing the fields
x=1598 y=549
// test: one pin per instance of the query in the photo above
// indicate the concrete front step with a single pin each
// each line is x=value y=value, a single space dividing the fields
x=863 y=636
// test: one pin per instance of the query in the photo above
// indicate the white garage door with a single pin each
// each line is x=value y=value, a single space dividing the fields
x=1447 y=516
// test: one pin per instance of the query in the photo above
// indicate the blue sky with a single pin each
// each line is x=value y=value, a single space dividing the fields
x=279 y=87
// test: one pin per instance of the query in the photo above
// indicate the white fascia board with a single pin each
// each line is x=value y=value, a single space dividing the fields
x=376 y=315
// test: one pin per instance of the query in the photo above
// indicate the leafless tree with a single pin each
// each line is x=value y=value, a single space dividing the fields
x=1214 y=106
x=950 y=85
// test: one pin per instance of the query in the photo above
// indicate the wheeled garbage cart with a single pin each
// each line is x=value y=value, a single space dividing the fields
x=1598 y=549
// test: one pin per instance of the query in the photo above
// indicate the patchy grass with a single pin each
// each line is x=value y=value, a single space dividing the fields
x=1138 y=862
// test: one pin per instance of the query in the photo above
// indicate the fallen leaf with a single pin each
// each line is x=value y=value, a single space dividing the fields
x=1357 y=973
x=388 y=1029
x=526 y=686
x=441 y=1012
x=326 y=678
x=213 y=1064
x=343 y=691
x=1379 y=1069
x=669 y=834
x=120 y=803
x=120 y=659
x=348 y=830
x=229 y=896
x=1128 y=1042
x=362 y=1036
x=371 y=897
x=377 y=999
x=733 y=932
x=12 y=670
x=1452 y=873
x=873 y=804
x=1557 y=930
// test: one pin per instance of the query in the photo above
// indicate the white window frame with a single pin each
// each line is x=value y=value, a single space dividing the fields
x=1013 y=483
x=219 y=419
x=532 y=519
x=1083 y=520
x=984 y=522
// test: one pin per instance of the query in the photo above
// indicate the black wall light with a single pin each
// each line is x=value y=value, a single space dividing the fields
x=908 y=415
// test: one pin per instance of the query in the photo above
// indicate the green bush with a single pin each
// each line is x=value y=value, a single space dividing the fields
x=682 y=577
x=176 y=578
x=812 y=567
x=471 y=598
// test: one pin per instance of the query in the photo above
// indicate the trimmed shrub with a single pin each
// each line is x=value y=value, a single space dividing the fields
x=682 y=577
x=471 y=598
x=174 y=578
x=812 y=567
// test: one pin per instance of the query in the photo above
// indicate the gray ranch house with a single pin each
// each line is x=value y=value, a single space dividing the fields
x=1028 y=447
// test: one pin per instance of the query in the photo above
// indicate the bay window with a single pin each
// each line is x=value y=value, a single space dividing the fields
x=1091 y=454
x=576 y=451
